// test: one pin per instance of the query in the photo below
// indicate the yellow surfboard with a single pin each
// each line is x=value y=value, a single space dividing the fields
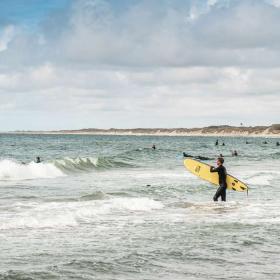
x=202 y=170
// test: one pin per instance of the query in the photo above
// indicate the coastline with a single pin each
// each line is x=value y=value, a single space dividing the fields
x=272 y=131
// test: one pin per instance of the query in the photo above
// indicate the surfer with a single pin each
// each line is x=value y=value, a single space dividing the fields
x=223 y=144
x=154 y=147
x=234 y=153
x=217 y=142
x=187 y=155
x=38 y=159
x=277 y=143
x=222 y=172
x=196 y=157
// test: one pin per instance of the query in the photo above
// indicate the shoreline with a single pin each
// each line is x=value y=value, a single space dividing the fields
x=148 y=134
x=272 y=131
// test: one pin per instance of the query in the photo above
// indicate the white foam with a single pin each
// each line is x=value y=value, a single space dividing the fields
x=136 y=204
x=260 y=180
x=69 y=214
x=12 y=170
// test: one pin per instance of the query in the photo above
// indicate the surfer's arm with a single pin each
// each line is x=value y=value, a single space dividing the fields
x=213 y=169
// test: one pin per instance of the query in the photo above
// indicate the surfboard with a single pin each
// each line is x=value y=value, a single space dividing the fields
x=202 y=170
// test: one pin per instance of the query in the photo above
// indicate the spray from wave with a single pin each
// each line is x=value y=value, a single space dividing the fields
x=12 y=170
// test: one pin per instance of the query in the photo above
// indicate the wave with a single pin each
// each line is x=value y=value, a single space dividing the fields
x=86 y=163
x=12 y=170
x=72 y=214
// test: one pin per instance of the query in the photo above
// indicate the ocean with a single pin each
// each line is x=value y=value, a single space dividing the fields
x=110 y=207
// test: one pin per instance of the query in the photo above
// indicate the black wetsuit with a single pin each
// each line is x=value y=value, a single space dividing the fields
x=222 y=182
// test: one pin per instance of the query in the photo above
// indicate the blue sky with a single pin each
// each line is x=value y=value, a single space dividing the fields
x=30 y=12
x=95 y=63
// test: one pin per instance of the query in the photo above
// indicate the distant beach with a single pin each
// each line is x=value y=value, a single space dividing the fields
x=222 y=130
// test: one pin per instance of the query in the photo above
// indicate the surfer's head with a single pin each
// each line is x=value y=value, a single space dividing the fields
x=220 y=161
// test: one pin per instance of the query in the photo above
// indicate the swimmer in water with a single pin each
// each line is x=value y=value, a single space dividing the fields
x=196 y=157
x=38 y=160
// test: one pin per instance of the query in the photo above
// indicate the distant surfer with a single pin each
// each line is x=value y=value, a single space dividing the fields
x=277 y=143
x=265 y=142
x=187 y=155
x=217 y=142
x=221 y=155
x=154 y=147
x=222 y=172
x=196 y=157
x=223 y=144
x=38 y=160
x=234 y=153
x=202 y=158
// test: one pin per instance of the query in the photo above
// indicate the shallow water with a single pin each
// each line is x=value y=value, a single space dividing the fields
x=110 y=207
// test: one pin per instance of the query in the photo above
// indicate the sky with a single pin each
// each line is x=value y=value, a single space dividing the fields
x=72 y=64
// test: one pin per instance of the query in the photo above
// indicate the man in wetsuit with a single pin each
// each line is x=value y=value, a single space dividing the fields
x=222 y=172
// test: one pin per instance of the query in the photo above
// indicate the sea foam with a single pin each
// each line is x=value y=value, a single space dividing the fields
x=12 y=170
x=71 y=214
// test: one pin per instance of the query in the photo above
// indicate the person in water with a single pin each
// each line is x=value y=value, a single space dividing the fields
x=277 y=143
x=234 y=153
x=38 y=159
x=223 y=144
x=222 y=172
x=196 y=157
x=217 y=142
x=154 y=147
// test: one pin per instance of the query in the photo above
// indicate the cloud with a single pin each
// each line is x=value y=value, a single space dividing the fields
x=100 y=64
x=6 y=36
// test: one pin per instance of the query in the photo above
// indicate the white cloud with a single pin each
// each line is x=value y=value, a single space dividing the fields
x=6 y=36
x=145 y=66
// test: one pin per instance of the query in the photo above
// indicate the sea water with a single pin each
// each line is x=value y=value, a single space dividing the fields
x=110 y=207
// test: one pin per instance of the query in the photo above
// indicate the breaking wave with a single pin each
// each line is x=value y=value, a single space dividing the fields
x=12 y=170
x=88 y=163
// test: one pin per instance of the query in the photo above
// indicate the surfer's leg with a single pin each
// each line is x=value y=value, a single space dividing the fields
x=223 y=194
x=217 y=194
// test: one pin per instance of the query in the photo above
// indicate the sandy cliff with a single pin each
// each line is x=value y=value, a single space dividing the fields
x=222 y=130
